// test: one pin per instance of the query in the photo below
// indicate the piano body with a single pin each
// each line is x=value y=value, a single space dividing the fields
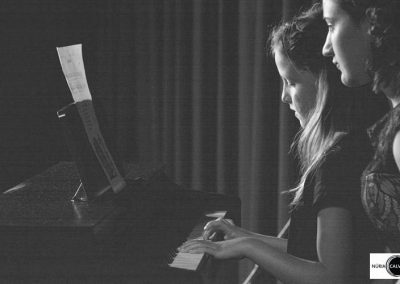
x=128 y=238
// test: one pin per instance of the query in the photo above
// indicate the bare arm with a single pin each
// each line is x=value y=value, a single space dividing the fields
x=275 y=242
x=231 y=231
x=334 y=247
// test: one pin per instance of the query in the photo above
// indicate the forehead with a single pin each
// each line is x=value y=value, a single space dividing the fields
x=285 y=67
x=332 y=9
x=289 y=71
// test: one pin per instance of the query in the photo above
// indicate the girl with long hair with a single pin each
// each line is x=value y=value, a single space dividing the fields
x=326 y=213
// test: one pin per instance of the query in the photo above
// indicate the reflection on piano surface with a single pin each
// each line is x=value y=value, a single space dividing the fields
x=129 y=238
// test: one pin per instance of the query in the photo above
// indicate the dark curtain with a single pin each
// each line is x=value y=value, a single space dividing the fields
x=205 y=100
x=184 y=82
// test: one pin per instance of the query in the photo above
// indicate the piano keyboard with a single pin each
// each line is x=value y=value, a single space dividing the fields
x=189 y=261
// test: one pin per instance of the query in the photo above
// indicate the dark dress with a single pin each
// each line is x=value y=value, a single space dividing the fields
x=336 y=184
x=381 y=181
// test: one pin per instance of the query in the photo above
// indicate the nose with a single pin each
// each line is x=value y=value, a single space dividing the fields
x=327 y=48
x=285 y=97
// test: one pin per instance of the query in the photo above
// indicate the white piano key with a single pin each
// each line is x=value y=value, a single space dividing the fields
x=191 y=261
x=187 y=261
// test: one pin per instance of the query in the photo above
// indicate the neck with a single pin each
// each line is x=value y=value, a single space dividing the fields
x=365 y=85
x=394 y=101
x=390 y=93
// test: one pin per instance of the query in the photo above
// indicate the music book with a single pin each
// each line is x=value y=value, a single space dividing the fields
x=97 y=169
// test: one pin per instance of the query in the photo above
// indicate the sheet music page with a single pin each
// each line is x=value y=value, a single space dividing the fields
x=74 y=71
x=71 y=60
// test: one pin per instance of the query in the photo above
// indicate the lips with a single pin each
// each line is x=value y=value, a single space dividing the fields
x=336 y=64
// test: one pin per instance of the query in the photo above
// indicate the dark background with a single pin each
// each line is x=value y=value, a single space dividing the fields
x=33 y=87
x=187 y=83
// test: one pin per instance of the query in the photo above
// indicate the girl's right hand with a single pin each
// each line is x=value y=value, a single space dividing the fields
x=226 y=227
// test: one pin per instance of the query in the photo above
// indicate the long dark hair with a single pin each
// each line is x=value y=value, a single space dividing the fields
x=356 y=8
x=384 y=20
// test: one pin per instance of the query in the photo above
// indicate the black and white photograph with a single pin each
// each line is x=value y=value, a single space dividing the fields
x=200 y=141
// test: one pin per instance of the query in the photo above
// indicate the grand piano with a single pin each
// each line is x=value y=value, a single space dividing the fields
x=130 y=237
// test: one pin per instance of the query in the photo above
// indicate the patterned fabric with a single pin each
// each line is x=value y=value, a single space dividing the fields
x=381 y=197
x=382 y=135
x=381 y=180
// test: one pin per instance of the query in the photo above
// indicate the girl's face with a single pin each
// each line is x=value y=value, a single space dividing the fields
x=348 y=43
x=299 y=87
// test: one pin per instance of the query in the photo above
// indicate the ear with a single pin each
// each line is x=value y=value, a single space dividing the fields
x=365 y=27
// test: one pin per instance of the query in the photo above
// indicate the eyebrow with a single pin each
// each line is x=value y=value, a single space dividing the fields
x=290 y=79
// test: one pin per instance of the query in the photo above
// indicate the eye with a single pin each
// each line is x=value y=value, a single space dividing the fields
x=290 y=83
x=330 y=25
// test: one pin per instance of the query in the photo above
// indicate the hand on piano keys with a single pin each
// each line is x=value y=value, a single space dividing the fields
x=224 y=227
x=190 y=261
x=227 y=249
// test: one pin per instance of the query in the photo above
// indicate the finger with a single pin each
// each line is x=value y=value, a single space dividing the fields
x=212 y=233
x=212 y=237
x=185 y=245
x=215 y=226
x=211 y=223
x=192 y=243
x=208 y=234
x=200 y=247
x=197 y=246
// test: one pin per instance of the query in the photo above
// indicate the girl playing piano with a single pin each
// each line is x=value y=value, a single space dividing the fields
x=329 y=236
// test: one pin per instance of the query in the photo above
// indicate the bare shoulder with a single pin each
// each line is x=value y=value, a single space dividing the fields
x=396 y=149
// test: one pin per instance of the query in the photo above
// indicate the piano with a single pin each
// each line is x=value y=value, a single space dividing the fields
x=190 y=261
x=131 y=237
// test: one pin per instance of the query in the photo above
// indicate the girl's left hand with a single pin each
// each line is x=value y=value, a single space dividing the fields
x=233 y=248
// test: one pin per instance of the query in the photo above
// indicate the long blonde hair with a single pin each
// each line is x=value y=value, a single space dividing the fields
x=319 y=135
x=301 y=41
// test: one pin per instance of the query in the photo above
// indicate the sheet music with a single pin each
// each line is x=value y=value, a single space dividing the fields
x=74 y=71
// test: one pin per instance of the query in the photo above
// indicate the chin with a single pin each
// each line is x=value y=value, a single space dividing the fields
x=350 y=81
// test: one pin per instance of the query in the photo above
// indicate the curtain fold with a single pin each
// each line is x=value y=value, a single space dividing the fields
x=190 y=84
x=206 y=100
